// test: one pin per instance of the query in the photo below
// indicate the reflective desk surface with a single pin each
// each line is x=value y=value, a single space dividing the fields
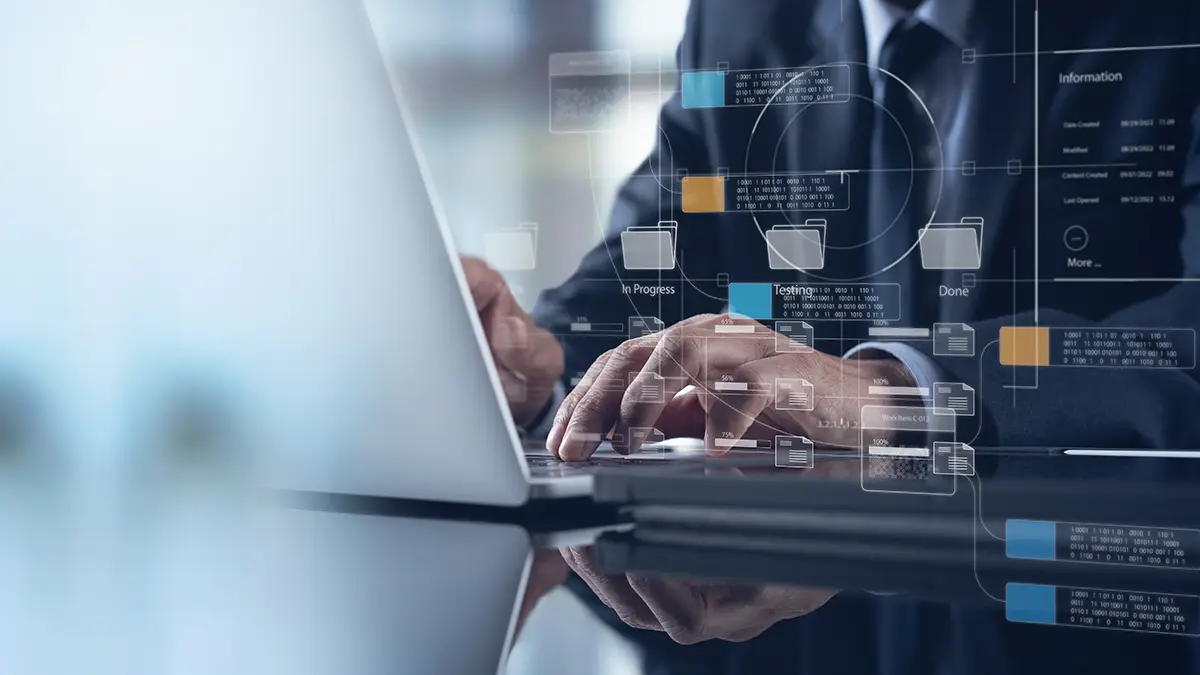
x=179 y=574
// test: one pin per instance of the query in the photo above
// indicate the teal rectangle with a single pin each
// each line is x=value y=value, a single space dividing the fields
x=1029 y=539
x=703 y=89
x=751 y=300
x=1030 y=603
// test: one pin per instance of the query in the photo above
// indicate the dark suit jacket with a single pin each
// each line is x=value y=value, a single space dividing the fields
x=1155 y=105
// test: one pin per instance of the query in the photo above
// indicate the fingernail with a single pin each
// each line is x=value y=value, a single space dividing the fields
x=571 y=448
x=554 y=439
x=566 y=451
x=710 y=445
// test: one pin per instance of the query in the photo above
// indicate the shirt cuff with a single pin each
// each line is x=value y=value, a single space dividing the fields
x=923 y=370
x=540 y=428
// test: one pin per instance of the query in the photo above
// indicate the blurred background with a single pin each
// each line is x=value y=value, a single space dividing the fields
x=126 y=357
x=475 y=76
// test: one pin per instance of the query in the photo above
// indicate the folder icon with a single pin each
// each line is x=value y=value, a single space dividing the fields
x=793 y=452
x=703 y=194
x=794 y=394
x=953 y=339
x=952 y=246
x=513 y=248
x=956 y=397
x=797 y=247
x=650 y=247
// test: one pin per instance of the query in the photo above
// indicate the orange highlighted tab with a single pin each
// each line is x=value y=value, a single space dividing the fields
x=703 y=194
x=1024 y=346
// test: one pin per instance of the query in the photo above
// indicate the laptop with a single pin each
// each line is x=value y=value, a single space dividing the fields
x=1087 y=484
x=243 y=208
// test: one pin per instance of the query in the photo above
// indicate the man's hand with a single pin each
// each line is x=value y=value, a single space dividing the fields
x=529 y=359
x=692 y=612
x=620 y=392
x=549 y=571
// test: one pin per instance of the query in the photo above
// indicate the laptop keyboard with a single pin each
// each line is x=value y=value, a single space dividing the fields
x=541 y=465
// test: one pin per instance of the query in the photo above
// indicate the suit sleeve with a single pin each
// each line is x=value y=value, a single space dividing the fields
x=594 y=291
x=1096 y=406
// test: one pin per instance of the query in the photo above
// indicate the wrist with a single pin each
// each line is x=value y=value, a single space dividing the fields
x=836 y=419
x=862 y=373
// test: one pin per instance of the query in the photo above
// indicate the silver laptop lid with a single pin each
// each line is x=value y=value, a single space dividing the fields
x=222 y=195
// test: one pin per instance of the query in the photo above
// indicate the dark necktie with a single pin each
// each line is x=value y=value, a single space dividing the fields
x=904 y=158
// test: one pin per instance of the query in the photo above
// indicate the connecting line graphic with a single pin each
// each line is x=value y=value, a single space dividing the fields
x=975 y=550
x=982 y=522
x=600 y=225
x=844 y=172
x=1094 y=50
x=979 y=426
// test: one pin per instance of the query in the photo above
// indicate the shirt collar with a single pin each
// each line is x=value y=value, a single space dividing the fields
x=948 y=17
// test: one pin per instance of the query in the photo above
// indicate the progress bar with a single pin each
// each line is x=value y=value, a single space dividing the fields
x=1166 y=454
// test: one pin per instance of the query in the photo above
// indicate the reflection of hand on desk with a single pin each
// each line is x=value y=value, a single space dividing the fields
x=547 y=572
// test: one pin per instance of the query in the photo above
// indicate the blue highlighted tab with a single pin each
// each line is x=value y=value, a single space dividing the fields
x=751 y=300
x=703 y=89
x=1029 y=603
x=1029 y=539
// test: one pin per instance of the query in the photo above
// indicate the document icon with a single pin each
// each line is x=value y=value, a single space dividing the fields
x=952 y=246
x=644 y=436
x=953 y=339
x=797 y=247
x=793 y=452
x=954 y=396
x=513 y=248
x=953 y=459
x=650 y=247
x=641 y=326
x=651 y=390
x=793 y=337
x=794 y=394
